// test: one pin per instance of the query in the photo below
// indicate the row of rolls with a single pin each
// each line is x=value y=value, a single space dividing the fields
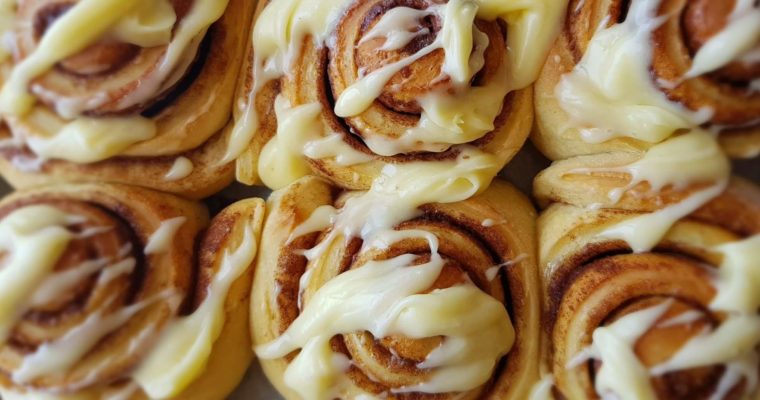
x=117 y=292
x=185 y=96
x=389 y=262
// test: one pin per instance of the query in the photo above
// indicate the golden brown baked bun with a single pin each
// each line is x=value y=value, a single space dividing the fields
x=144 y=102
x=344 y=97
x=120 y=291
x=486 y=241
x=672 y=322
x=673 y=49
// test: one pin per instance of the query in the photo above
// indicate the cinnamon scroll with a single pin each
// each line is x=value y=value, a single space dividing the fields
x=359 y=294
x=343 y=88
x=106 y=296
x=639 y=307
x=626 y=75
x=131 y=91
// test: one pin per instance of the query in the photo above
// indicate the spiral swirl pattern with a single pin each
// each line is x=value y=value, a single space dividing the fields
x=386 y=365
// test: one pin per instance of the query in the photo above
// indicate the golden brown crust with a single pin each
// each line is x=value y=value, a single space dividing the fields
x=467 y=246
x=727 y=92
x=320 y=74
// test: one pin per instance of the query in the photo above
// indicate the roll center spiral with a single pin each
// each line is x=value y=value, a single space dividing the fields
x=376 y=49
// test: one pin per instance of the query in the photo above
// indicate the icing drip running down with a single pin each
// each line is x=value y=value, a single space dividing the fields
x=185 y=346
x=160 y=241
x=737 y=41
x=739 y=277
x=610 y=93
x=181 y=169
x=389 y=297
x=299 y=134
x=684 y=160
x=449 y=117
x=68 y=135
x=542 y=390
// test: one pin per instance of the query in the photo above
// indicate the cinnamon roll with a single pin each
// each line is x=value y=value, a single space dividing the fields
x=133 y=91
x=343 y=88
x=116 y=292
x=380 y=294
x=625 y=75
x=677 y=319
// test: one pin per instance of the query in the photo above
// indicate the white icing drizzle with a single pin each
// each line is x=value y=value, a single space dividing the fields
x=493 y=272
x=691 y=158
x=610 y=93
x=738 y=40
x=384 y=296
x=283 y=25
x=341 y=307
x=186 y=37
x=542 y=390
x=185 y=346
x=644 y=232
x=63 y=39
x=333 y=146
x=398 y=192
x=62 y=354
x=161 y=240
x=621 y=374
x=300 y=134
x=84 y=139
x=733 y=343
x=181 y=169
x=684 y=318
x=56 y=285
x=683 y=160
x=34 y=238
x=739 y=277
x=398 y=28
x=28 y=164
